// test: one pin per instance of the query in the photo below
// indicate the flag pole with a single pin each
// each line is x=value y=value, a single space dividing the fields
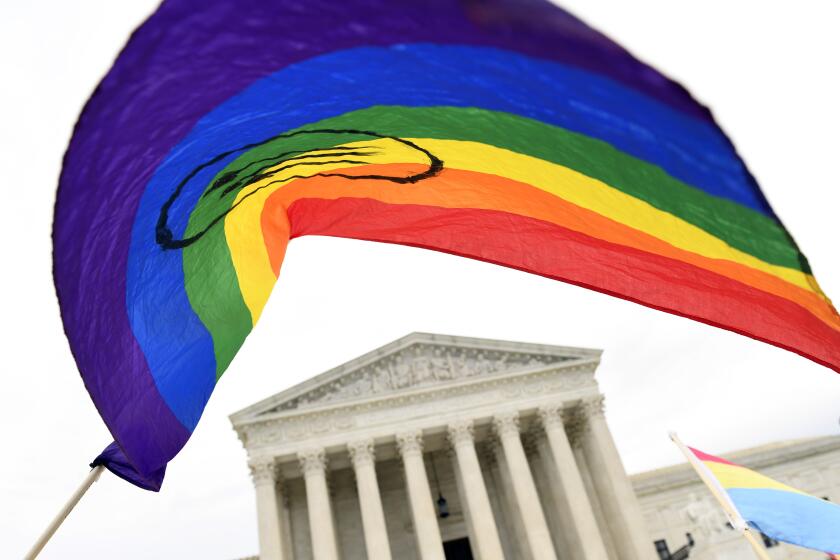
x=728 y=507
x=91 y=477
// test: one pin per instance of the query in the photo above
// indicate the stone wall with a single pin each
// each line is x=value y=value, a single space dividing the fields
x=675 y=502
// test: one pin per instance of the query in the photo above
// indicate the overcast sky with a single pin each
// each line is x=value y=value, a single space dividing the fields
x=767 y=71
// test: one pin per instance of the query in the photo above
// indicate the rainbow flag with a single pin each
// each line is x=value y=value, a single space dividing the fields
x=775 y=509
x=501 y=130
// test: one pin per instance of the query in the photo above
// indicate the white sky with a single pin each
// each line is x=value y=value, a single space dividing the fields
x=768 y=71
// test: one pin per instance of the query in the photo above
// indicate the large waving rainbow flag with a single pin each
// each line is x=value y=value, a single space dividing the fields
x=500 y=130
x=775 y=509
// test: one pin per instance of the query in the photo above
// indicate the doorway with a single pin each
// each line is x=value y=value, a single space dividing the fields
x=458 y=549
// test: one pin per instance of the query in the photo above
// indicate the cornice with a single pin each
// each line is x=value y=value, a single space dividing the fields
x=295 y=425
x=413 y=395
x=443 y=341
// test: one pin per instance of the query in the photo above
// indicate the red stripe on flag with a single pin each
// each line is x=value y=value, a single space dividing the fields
x=706 y=457
x=550 y=250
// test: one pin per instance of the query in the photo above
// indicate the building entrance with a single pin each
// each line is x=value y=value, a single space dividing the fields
x=458 y=549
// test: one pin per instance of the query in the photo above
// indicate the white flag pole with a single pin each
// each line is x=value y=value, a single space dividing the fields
x=92 y=477
x=723 y=499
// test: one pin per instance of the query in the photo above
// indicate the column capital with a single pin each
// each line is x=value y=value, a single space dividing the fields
x=506 y=424
x=576 y=420
x=593 y=406
x=494 y=443
x=530 y=442
x=263 y=471
x=487 y=452
x=410 y=443
x=576 y=423
x=312 y=461
x=551 y=416
x=461 y=432
x=361 y=452
x=537 y=534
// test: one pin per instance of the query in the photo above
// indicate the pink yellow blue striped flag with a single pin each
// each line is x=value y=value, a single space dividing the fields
x=777 y=510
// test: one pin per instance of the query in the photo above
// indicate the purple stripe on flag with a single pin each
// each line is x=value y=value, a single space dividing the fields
x=132 y=122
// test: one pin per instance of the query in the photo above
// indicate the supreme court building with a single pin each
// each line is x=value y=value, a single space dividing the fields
x=441 y=447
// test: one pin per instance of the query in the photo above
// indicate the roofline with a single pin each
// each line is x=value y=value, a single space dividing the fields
x=402 y=343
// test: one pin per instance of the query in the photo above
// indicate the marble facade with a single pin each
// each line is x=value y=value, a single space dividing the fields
x=352 y=463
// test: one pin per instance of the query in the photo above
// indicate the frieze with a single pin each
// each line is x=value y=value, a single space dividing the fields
x=308 y=425
x=295 y=429
x=420 y=365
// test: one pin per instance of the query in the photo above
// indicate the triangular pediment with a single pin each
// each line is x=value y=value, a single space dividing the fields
x=416 y=361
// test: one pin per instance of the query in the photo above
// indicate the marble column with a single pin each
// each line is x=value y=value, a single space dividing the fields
x=373 y=517
x=269 y=509
x=574 y=429
x=579 y=521
x=535 y=449
x=499 y=501
x=423 y=514
x=522 y=550
x=619 y=504
x=488 y=545
x=313 y=463
x=462 y=500
x=536 y=529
